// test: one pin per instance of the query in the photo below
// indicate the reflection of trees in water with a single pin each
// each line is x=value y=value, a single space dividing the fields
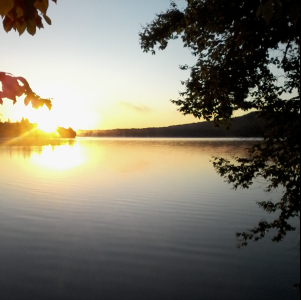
x=26 y=147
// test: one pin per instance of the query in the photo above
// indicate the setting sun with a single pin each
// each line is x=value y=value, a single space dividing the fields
x=46 y=121
x=47 y=126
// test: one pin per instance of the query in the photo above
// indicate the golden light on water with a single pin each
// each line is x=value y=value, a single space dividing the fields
x=62 y=157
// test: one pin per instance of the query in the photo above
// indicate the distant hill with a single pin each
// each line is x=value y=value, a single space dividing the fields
x=245 y=126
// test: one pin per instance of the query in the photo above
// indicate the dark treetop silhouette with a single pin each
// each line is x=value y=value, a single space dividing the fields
x=20 y=15
x=248 y=57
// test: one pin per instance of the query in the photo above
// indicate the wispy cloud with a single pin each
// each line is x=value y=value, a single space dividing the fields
x=138 y=108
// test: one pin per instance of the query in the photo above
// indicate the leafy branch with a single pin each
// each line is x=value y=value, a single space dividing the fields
x=24 y=14
x=13 y=87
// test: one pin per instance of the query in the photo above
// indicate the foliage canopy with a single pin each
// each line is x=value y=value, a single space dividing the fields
x=20 y=15
x=248 y=58
x=24 y=14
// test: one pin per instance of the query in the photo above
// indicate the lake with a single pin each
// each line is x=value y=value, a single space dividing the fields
x=134 y=219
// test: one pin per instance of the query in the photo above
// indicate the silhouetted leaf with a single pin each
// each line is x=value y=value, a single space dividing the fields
x=31 y=27
x=47 y=19
x=7 y=24
x=6 y=6
x=41 y=5
x=268 y=11
x=294 y=12
x=39 y=22
x=21 y=27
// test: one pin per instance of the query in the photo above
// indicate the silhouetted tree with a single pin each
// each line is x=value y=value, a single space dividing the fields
x=20 y=15
x=248 y=57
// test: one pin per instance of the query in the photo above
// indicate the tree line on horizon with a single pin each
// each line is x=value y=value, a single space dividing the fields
x=245 y=126
x=10 y=129
x=26 y=129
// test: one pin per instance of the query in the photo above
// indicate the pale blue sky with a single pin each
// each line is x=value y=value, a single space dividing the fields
x=90 y=62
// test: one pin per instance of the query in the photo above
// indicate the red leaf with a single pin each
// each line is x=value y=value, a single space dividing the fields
x=26 y=100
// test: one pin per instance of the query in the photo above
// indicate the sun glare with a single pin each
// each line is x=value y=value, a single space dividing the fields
x=47 y=126
x=46 y=120
x=59 y=158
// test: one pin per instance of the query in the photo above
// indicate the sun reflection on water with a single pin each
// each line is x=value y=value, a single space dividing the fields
x=61 y=157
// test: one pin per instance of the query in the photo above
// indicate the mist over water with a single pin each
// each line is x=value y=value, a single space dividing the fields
x=134 y=219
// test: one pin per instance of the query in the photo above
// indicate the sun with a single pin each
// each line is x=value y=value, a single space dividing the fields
x=46 y=121
x=47 y=125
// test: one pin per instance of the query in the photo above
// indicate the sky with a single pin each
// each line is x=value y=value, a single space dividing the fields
x=89 y=61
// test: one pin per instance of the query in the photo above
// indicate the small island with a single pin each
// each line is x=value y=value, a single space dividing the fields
x=66 y=133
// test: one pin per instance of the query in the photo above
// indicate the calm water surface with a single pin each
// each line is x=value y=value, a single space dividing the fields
x=133 y=219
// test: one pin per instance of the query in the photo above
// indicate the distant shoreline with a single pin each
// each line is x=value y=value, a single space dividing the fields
x=247 y=126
